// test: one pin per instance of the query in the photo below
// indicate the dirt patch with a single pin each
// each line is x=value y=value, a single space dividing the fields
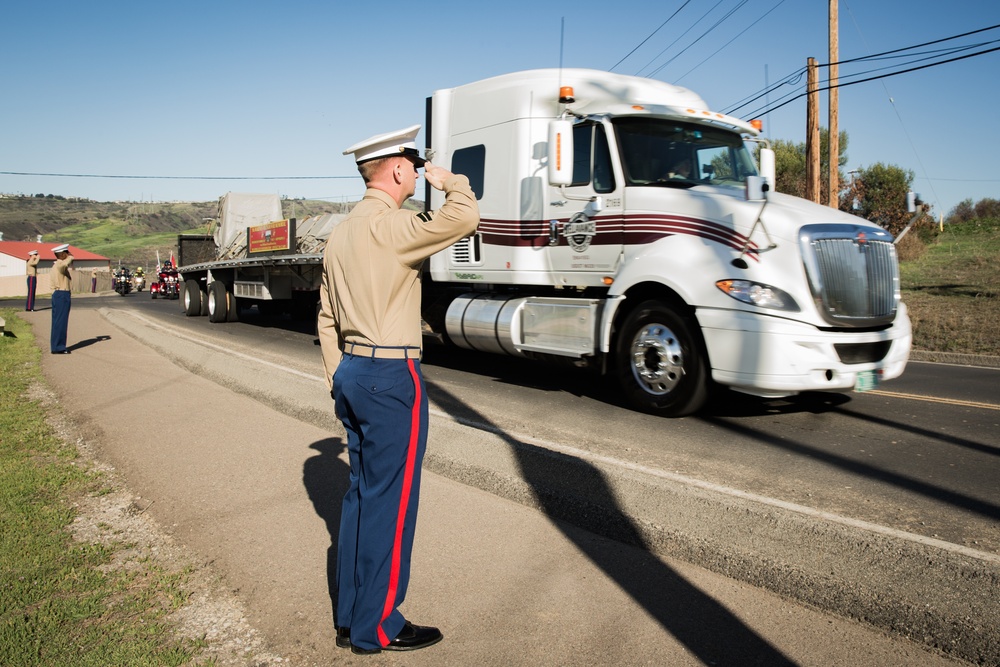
x=212 y=615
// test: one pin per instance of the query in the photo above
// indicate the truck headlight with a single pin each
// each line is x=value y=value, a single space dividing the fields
x=758 y=294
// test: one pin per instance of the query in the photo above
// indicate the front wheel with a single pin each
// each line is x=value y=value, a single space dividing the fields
x=659 y=361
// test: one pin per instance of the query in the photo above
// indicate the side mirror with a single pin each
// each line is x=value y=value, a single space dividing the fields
x=756 y=187
x=767 y=169
x=560 y=152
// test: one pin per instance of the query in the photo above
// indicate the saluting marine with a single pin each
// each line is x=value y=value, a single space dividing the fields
x=369 y=329
x=61 y=284
x=31 y=269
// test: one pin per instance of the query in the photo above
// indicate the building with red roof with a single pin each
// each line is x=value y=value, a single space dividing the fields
x=14 y=255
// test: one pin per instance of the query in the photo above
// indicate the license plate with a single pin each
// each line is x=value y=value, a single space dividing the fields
x=867 y=380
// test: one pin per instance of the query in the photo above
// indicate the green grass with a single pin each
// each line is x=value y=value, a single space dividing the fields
x=953 y=290
x=58 y=604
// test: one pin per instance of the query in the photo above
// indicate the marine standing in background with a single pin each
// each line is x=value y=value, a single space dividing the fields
x=370 y=332
x=31 y=268
x=62 y=281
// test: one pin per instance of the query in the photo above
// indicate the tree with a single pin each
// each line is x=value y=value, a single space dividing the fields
x=881 y=191
x=790 y=165
x=966 y=210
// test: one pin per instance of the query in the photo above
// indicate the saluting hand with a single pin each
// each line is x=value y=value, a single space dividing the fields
x=436 y=175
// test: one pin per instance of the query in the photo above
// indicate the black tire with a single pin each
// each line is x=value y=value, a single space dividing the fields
x=192 y=298
x=233 y=313
x=660 y=361
x=152 y=294
x=218 y=305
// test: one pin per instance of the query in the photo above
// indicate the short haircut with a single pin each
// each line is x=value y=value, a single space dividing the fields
x=371 y=168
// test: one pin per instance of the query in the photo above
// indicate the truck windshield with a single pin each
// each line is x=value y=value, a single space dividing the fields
x=661 y=152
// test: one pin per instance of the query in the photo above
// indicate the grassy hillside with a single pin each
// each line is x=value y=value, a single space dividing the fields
x=130 y=233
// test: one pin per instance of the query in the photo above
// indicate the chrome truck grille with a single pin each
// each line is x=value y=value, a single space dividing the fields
x=853 y=273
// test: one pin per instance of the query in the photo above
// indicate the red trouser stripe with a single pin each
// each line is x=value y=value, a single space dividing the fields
x=404 y=502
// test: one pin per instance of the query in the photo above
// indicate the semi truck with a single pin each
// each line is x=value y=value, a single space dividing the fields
x=627 y=228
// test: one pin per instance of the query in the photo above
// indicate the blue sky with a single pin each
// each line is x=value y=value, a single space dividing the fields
x=268 y=89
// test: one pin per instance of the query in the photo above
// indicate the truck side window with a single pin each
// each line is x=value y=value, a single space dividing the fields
x=471 y=162
x=604 y=176
x=592 y=158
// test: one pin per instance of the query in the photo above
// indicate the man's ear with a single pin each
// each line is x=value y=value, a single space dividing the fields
x=397 y=171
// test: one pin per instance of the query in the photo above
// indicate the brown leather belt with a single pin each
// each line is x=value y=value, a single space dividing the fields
x=360 y=350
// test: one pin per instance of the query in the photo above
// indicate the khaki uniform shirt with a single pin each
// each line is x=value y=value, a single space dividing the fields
x=370 y=292
x=31 y=266
x=59 y=276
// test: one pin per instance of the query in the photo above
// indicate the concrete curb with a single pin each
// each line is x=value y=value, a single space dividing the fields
x=926 y=590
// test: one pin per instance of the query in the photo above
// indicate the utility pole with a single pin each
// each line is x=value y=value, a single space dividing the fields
x=834 y=199
x=812 y=132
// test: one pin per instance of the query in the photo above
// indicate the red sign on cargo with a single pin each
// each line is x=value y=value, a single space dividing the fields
x=270 y=237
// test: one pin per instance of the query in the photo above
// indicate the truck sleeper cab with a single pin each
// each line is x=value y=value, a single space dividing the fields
x=617 y=232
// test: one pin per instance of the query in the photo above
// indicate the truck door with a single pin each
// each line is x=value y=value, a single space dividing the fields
x=584 y=246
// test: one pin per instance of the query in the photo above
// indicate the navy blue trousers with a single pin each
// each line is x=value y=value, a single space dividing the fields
x=29 y=303
x=383 y=407
x=60 y=320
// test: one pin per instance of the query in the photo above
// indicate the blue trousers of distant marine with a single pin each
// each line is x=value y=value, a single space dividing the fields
x=60 y=320
x=29 y=303
x=383 y=407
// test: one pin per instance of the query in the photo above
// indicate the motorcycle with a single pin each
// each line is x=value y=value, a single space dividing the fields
x=138 y=281
x=167 y=284
x=123 y=282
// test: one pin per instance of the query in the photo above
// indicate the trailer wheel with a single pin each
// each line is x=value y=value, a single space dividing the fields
x=192 y=298
x=233 y=311
x=218 y=308
x=660 y=362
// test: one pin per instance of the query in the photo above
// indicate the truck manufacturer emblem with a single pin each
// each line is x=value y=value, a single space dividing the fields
x=579 y=231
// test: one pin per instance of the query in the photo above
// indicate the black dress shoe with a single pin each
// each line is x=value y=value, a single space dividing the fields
x=343 y=638
x=61 y=352
x=410 y=638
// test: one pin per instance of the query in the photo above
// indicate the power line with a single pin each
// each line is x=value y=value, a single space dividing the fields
x=701 y=37
x=179 y=178
x=686 y=2
x=764 y=110
x=740 y=34
x=735 y=106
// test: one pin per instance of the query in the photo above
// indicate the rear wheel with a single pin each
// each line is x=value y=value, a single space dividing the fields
x=233 y=313
x=659 y=361
x=218 y=305
x=192 y=298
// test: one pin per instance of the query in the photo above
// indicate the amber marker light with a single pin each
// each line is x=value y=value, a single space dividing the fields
x=608 y=280
x=757 y=124
x=566 y=95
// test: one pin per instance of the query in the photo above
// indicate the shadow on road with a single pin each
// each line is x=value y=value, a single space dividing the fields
x=326 y=478
x=691 y=616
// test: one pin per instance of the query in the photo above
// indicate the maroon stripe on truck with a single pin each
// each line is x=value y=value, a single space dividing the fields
x=632 y=229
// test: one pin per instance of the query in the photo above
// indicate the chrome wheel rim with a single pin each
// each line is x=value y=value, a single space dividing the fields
x=657 y=359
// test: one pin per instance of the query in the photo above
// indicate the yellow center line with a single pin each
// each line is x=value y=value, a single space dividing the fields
x=935 y=399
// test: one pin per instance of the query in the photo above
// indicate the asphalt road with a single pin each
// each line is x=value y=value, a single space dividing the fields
x=921 y=454
x=880 y=506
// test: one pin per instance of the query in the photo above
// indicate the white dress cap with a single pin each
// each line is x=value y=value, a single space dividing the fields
x=400 y=142
x=61 y=248
x=32 y=252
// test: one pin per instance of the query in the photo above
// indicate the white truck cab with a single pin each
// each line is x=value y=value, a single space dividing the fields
x=627 y=227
